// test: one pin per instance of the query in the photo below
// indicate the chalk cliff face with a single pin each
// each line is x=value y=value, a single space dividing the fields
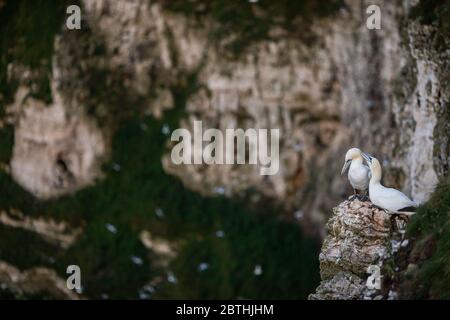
x=382 y=90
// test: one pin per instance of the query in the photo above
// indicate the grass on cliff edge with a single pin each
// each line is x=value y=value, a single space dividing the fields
x=433 y=221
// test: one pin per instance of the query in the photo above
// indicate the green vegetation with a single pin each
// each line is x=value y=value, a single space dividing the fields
x=432 y=223
x=24 y=257
x=6 y=142
x=240 y=23
x=436 y=13
x=27 y=32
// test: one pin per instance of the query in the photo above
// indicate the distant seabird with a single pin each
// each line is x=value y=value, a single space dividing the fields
x=389 y=199
x=358 y=174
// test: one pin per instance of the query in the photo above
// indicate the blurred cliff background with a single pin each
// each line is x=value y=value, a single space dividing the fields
x=85 y=123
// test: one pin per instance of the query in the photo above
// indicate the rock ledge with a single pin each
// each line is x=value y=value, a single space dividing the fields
x=358 y=236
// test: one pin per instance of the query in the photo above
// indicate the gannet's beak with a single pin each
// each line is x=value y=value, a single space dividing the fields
x=366 y=157
x=345 y=167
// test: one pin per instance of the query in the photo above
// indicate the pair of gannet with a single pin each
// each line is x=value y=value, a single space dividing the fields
x=362 y=177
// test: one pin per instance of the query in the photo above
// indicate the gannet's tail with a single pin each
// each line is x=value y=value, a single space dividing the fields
x=409 y=211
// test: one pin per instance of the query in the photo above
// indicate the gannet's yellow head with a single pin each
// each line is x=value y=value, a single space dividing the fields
x=374 y=165
x=352 y=154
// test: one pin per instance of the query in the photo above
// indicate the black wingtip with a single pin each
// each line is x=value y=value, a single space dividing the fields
x=408 y=209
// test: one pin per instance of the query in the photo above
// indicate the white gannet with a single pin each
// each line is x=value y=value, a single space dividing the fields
x=358 y=174
x=389 y=199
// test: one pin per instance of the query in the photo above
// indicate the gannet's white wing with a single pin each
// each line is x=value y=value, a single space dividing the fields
x=394 y=200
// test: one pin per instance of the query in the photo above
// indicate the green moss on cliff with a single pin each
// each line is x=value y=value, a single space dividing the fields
x=432 y=11
x=437 y=14
x=432 y=224
x=27 y=32
x=6 y=143
x=25 y=257
x=240 y=23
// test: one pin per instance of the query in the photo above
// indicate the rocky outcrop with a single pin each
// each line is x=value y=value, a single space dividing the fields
x=35 y=282
x=54 y=232
x=164 y=250
x=358 y=236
